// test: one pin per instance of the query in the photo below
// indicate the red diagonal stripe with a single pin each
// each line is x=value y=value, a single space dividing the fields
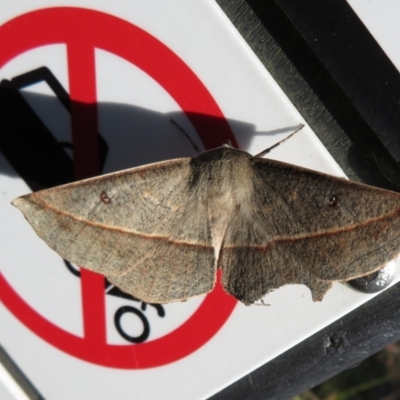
x=82 y=87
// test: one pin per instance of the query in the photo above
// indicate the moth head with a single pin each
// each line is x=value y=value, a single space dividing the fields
x=228 y=144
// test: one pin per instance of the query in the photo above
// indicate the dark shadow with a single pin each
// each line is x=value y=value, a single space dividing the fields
x=35 y=136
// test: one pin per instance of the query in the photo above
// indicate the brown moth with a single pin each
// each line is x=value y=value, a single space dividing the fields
x=161 y=231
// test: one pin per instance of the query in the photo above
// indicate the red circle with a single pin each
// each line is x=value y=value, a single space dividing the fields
x=89 y=29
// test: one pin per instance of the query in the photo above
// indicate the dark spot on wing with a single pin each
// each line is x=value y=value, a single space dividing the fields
x=104 y=198
x=333 y=200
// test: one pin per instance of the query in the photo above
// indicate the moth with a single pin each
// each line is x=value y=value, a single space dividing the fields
x=160 y=232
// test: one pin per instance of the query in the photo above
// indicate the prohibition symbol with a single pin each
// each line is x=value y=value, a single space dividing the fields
x=82 y=31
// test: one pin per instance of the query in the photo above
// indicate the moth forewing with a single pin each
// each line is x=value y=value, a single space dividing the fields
x=160 y=231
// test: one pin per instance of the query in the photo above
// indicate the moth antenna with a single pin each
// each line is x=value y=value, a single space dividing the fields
x=266 y=151
x=186 y=135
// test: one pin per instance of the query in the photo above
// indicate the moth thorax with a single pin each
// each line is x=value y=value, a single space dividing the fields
x=240 y=183
x=222 y=176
